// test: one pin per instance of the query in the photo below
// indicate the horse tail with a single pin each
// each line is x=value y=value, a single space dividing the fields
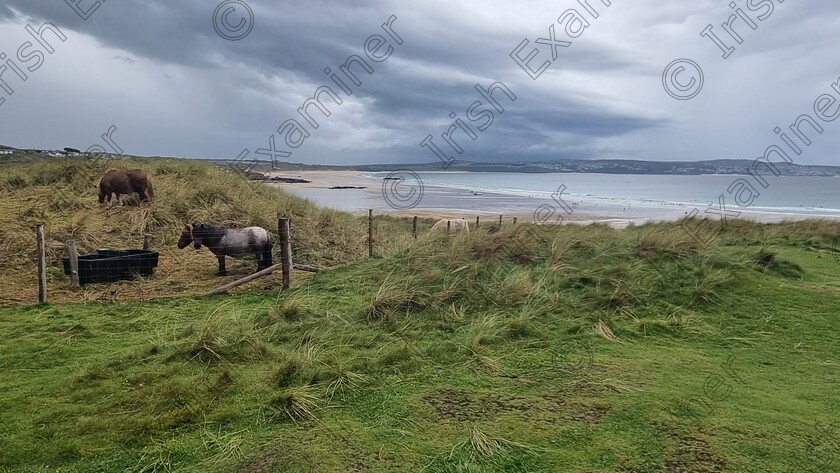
x=267 y=247
x=149 y=187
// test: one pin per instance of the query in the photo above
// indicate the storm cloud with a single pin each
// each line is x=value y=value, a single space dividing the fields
x=174 y=86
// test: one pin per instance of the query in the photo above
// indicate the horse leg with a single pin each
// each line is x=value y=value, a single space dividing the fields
x=222 y=271
x=267 y=254
x=260 y=258
x=264 y=256
x=143 y=196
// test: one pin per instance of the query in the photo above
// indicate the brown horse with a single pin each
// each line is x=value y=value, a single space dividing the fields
x=122 y=183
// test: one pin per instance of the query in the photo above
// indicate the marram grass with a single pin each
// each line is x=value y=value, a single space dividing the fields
x=597 y=350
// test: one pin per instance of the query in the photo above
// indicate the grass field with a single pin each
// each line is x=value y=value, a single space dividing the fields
x=599 y=350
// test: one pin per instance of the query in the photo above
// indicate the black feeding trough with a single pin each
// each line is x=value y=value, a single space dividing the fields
x=113 y=265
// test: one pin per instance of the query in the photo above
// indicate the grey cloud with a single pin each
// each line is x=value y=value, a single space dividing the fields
x=603 y=95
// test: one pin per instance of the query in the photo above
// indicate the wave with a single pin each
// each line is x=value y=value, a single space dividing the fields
x=588 y=199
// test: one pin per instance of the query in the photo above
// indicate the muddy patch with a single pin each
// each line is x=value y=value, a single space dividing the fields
x=452 y=404
x=588 y=414
x=497 y=403
x=686 y=454
x=693 y=455
x=457 y=404
x=274 y=460
x=461 y=405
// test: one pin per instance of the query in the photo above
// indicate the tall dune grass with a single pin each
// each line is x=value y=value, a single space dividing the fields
x=62 y=195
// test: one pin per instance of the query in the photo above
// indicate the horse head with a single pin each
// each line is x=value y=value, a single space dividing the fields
x=199 y=233
x=187 y=238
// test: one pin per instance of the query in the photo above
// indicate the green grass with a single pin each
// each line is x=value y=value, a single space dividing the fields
x=475 y=353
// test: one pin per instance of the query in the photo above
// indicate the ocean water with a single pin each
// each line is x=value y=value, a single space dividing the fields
x=602 y=196
x=819 y=195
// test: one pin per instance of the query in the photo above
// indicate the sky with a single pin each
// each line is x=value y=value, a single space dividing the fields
x=226 y=79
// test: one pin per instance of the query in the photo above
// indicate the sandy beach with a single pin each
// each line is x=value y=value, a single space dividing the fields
x=323 y=179
x=451 y=202
x=358 y=201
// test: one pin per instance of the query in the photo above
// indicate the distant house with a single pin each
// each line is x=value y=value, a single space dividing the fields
x=6 y=151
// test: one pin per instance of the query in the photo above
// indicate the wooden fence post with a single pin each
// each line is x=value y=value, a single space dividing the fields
x=500 y=221
x=285 y=251
x=414 y=227
x=370 y=233
x=514 y=220
x=42 y=264
x=448 y=224
x=147 y=241
x=73 y=255
x=477 y=220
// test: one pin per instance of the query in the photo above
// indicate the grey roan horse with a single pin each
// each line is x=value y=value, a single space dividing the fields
x=229 y=242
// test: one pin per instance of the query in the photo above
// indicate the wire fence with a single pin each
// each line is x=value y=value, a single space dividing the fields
x=138 y=267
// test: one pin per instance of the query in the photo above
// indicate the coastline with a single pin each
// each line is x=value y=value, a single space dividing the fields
x=449 y=201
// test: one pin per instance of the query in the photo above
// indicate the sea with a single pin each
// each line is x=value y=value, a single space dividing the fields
x=602 y=196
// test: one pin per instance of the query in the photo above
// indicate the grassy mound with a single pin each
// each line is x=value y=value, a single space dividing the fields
x=63 y=196
x=589 y=349
x=642 y=279
x=470 y=353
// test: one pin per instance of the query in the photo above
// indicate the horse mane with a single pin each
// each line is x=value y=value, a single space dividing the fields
x=209 y=228
x=212 y=226
x=108 y=171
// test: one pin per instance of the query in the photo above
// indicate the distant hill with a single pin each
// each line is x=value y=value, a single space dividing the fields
x=616 y=166
x=604 y=166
